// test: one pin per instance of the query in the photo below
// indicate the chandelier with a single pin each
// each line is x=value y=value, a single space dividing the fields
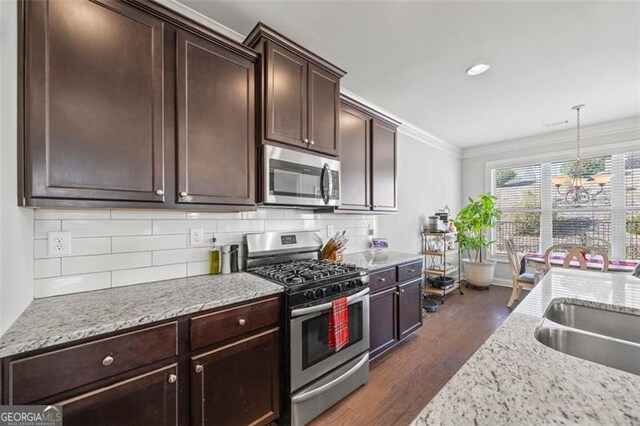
x=576 y=187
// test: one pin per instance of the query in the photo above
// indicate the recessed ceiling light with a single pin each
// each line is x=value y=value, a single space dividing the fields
x=477 y=69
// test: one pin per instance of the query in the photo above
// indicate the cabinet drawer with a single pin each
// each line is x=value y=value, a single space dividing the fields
x=218 y=326
x=382 y=279
x=411 y=270
x=40 y=376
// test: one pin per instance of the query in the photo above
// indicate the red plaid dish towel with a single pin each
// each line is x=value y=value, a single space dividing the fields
x=338 y=324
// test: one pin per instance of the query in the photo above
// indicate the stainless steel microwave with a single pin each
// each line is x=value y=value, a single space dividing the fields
x=293 y=178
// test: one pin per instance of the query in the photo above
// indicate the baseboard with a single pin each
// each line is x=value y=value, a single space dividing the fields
x=502 y=282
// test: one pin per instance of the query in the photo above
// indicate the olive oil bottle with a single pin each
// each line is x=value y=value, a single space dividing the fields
x=214 y=258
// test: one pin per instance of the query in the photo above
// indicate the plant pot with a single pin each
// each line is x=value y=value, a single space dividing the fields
x=479 y=274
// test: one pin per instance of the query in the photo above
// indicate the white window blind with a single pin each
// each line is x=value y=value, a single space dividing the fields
x=535 y=215
x=518 y=192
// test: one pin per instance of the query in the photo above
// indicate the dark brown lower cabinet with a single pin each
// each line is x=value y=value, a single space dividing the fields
x=148 y=399
x=395 y=309
x=237 y=384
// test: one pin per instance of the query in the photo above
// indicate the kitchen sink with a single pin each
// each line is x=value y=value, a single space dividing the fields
x=608 y=323
x=620 y=354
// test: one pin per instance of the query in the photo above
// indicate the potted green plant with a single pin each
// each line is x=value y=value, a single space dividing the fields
x=473 y=223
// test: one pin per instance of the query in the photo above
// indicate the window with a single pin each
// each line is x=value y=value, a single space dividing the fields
x=632 y=204
x=535 y=215
x=518 y=192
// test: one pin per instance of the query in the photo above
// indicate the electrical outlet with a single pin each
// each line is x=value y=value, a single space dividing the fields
x=59 y=243
x=330 y=232
x=196 y=237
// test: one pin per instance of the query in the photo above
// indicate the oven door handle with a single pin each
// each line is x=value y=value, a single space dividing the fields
x=324 y=306
x=335 y=382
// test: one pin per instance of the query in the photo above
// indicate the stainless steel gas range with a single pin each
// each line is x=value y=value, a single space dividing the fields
x=316 y=377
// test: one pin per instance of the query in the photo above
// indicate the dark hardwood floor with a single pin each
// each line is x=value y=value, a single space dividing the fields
x=402 y=381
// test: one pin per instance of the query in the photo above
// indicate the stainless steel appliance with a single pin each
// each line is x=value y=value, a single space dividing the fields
x=296 y=178
x=316 y=377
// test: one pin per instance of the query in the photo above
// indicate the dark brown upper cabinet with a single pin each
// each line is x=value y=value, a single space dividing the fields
x=384 y=166
x=368 y=152
x=300 y=96
x=128 y=104
x=215 y=120
x=355 y=158
x=93 y=104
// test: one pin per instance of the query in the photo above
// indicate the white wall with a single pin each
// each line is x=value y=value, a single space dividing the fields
x=607 y=138
x=428 y=179
x=16 y=224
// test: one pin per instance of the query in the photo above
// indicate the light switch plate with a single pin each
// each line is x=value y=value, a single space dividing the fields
x=196 y=237
x=58 y=243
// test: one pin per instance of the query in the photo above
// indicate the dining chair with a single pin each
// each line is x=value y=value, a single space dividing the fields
x=575 y=251
x=600 y=243
x=521 y=279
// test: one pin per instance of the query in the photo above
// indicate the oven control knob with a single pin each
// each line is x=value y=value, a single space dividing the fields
x=358 y=283
x=337 y=288
x=309 y=295
x=351 y=284
x=321 y=292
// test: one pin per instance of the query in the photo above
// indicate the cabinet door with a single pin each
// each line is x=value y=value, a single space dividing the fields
x=148 y=399
x=324 y=111
x=285 y=117
x=215 y=94
x=355 y=140
x=94 y=93
x=383 y=168
x=237 y=383
x=383 y=324
x=409 y=307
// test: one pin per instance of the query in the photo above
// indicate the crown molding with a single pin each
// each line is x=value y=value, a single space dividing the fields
x=405 y=128
x=623 y=130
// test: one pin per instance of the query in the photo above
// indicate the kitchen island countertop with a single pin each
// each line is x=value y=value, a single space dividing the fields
x=514 y=379
x=60 y=319
x=379 y=259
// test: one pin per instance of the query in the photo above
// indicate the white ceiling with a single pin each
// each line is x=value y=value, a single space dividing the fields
x=410 y=57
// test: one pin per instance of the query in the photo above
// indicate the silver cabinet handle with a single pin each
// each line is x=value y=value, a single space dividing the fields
x=199 y=368
x=242 y=321
x=382 y=279
x=305 y=140
x=312 y=143
x=183 y=193
x=159 y=192
x=172 y=378
x=108 y=360
x=411 y=271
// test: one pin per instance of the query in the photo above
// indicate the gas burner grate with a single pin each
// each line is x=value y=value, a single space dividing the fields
x=304 y=271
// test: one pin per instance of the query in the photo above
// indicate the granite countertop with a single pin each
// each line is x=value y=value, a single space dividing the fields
x=379 y=259
x=514 y=379
x=55 y=320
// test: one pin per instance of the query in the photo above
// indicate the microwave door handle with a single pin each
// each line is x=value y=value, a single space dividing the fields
x=318 y=308
x=330 y=179
x=326 y=193
x=335 y=382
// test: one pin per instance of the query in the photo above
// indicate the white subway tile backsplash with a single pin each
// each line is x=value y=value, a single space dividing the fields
x=148 y=214
x=125 y=247
x=43 y=227
x=72 y=214
x=145 y=275
x=107 y=262
x=71 y=284
x=45 y=268
x=167 y=257
x=148 y=243
x=79 y=247
x=101 y=228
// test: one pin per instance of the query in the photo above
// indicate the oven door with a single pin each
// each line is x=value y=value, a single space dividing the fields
x=311 y=357
x=297 y=178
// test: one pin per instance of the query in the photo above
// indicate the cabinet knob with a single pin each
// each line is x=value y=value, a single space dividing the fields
x=312 y=143
x=402 y=290
x=199 y=368
x=382 y=279
x=172 y=378
x=183 y=193
x=242 y=321
x=108 y=360
x=159 y=192
x=305 y=140
x=411 y=271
